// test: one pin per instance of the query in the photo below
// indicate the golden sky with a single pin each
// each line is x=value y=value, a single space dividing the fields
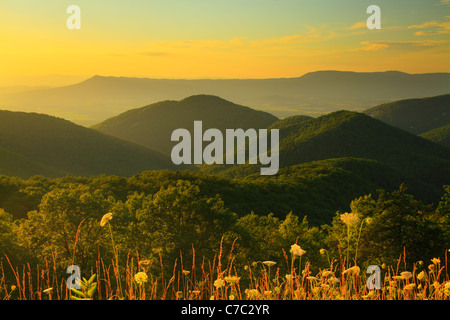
x=217 y=39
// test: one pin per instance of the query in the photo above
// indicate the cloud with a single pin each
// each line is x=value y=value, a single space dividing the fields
x=358 y=25
x=379 y=45
x=437 y=28
x=445 y=2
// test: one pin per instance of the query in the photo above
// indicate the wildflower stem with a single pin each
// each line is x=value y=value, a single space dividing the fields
x=116 y=256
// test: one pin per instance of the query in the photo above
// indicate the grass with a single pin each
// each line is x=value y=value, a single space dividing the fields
x=221 y=279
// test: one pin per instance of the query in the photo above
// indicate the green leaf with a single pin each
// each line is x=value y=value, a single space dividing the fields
x=78 y=292
x=91 y=279
x=92 y=290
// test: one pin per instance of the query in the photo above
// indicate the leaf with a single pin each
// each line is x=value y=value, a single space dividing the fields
x=92 y=290
x=77 y=298
x=78 y=292
x=91 y=279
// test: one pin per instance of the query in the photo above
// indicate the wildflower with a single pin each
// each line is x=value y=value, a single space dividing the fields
x=251 y=293
x=179 y=294
x=145 y=264
x=231 y=297
x=383 y=266
x=421 y=275
x=350 y=219
x=447 y=288
x=409 y=286
x=420 y=263
x=431 y=267
x=105 y=219
x=219 y=283
x=289 y=277
x=296 y=250
x=311 y=278
x=48 y=290
x=232 y=279
x=269 y=263
x=436 y=260
x=352 y=270
x=322 y=251
x=369 y=295
x=13 y=287
x=406 y=274
x=211 y=298
x=140 y=278
x=326 y=273
x=369 y=220
x=186 y=272
x=333 y=280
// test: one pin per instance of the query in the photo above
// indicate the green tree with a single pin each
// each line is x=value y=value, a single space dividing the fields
x=67 y=224
x=398 y=224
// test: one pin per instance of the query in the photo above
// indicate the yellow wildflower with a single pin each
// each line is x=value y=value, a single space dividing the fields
x=186 y=272
x=269 y=263
x=219 y=283
x=145 y=264
x=251 y=293
x=105 y=219
x=140 y=278
x=410 y=286
x=232 y=279
x=436 y=260
x=48 y=290
x=352 y=270
x=296 y=250
x=350 y=219
x=421 y=275
x=406 y=274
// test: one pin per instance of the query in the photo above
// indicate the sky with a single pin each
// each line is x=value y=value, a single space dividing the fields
x=193 y=39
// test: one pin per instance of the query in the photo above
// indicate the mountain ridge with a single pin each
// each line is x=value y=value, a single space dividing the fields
x=58 y=147
x=152 y=125
x=315 y=93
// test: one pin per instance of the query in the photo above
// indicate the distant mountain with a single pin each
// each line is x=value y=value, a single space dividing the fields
x=423 y=165
x=439 y=135
x=314 y=94
x=37 y=144
x=415 y=115
x=153 y=125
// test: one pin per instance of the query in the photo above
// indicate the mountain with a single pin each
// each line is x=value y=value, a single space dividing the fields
x=153 y=125
x=292 y=120
x=38 y=144
x=316 y=93
x=423 y=165
x=439 y=135
x=415 y=115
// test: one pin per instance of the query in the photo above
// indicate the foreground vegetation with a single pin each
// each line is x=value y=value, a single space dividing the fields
x=220 y=279
x=147 y=238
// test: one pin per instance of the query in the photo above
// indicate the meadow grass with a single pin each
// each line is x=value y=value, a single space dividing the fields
x=220 y=279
